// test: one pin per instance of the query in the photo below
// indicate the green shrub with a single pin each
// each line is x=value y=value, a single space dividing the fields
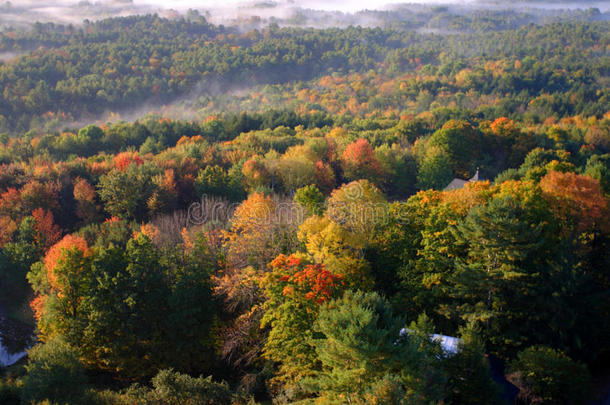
x=551 y=376
x=10 y=393
x=54 y=373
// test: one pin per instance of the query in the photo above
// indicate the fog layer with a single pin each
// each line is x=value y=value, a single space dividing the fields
x=24 y=12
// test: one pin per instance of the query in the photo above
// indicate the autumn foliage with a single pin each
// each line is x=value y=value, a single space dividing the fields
x=10 y=201
x=207 y=264
x=83 y=191
x=255 y=173
x=311 y=281
x=84 y=194
x=295 y=291
x=47 y=232
x=359 y=161
x=250 y=238
x=578 y=197
x=37 y=305
x=503 y=127
x=56 y=252
x=124 y=159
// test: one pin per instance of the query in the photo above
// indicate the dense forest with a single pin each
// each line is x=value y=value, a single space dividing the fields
x=307 y=215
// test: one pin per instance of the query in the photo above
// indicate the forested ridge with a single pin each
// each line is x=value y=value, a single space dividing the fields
x=280 y=227
x=117 y=64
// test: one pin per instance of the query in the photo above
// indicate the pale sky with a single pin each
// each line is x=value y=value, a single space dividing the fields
x=343 y=5
x=65 y=10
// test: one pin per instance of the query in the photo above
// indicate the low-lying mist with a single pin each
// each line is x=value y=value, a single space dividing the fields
x=285 y=12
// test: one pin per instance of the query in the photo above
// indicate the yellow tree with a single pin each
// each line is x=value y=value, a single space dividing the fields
x=338 y=237
x=261 y=228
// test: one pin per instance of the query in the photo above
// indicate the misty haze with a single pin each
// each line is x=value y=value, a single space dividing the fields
x=68 y=11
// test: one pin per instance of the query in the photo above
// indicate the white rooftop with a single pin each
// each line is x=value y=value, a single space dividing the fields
x=449 y=344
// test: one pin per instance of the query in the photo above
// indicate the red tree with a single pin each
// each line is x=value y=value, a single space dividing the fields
x=359 y=161
x=124 y=159
x=47 y=232
x=310 y=281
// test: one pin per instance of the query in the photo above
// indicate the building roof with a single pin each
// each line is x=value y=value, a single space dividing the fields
x=8 y=359
x=476 y=176
x=456 y=183
x=449 y=344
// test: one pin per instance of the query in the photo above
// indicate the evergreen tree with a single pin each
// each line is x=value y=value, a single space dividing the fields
x=469 y=371
x=509 y=248
x=361 y=349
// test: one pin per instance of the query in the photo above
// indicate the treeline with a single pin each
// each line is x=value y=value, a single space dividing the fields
x=118 y=64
